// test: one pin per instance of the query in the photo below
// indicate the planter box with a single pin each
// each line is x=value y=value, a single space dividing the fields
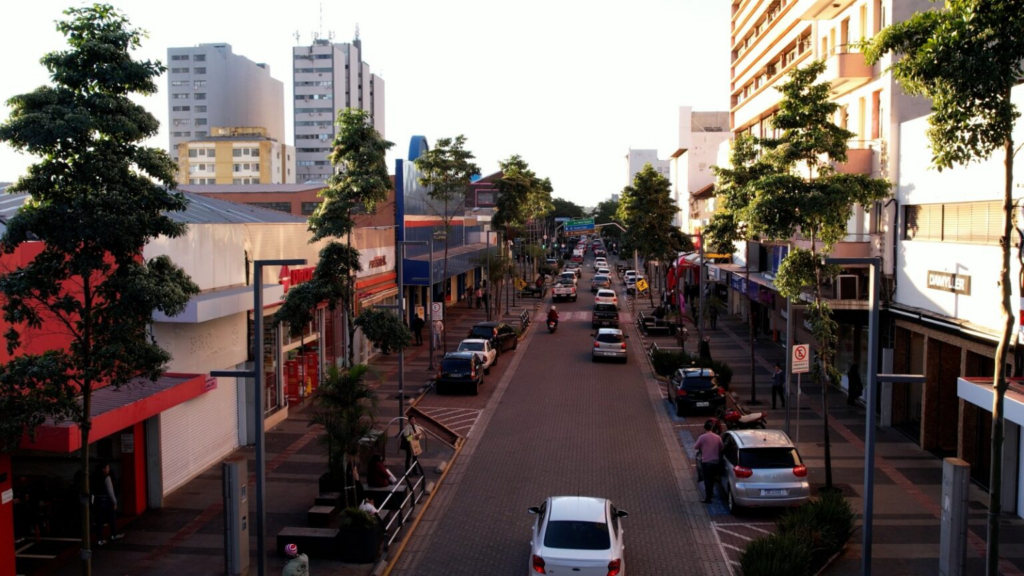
x=360 y=545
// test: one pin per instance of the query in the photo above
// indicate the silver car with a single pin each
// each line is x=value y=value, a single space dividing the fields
x=609 y=343
x=762 y=468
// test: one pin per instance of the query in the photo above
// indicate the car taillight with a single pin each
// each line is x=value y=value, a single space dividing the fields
x=721 y=392
x=614 y=567
x=538 y=564
x=495 y=332
x=597 y=344
x=681 y=392
x=800 y=471
x=615 y=299
x=472 y=372
x=742 y=472
x=623 y=345
x=439 y=373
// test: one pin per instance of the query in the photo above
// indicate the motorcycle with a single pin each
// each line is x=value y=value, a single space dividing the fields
x=733 y=419
x=552 y=326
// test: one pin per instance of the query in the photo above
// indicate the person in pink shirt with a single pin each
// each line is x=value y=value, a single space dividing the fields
x=710 y=447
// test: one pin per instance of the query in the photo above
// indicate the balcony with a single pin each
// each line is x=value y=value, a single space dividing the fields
x=859 y=160
x=823 y=9
x=847 y=70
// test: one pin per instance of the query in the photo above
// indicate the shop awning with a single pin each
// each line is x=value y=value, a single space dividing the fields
x=221 y=303
x=978 y=391
x=114 y=410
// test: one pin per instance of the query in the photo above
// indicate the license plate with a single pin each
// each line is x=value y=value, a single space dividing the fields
x=774 y=492
x=456 y=375
x=607 y=353
x=703 y=404
x=605 y=323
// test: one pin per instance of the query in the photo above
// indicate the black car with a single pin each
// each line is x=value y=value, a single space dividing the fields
x=695 y=388
x=604 y=316
x=502 y=336
x=460 y=370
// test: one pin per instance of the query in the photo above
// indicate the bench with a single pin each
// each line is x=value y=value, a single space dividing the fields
x=321 y=516
x=650 y=324
x=313 y=542
x=329 y=499
x=379 y=495
x=524 y=319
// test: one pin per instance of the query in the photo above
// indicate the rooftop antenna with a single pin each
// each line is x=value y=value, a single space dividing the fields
x=320 y=32
x=297 y=36
x=357 y=30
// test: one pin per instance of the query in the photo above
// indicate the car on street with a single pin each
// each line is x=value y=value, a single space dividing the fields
x=609 y=343
x=481 y=348
x=604 y=271
x=564 y=290
x=600 y=263
x=604 y=316
x=762 y=468
x=631 y=284
x=502 y=336
x=600 y=252
x=569 y=276
x=575 y=267
x=692 y=389
x=462 y=371
x=600 y=281
x=553 y=262
x=577 y=535
x=607 y=297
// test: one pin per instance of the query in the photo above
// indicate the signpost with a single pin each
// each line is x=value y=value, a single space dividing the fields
x=579 y=226
x=641 y=286
x=800 y=363
x=437 y=309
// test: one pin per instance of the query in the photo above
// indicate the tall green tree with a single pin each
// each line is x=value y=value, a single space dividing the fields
x=447 y=170
x=966 y=59
x=604 y=213
x=360 y=180
x=561 y=207
x=647 y=211
x=522 y=197
x=98 y=195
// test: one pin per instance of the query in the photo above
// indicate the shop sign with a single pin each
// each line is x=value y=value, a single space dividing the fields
x=766 y=297
x=8 y=495
x=127 y=443
x=714 y=273
x=293 y=277
x=210 y=384
x=753 y=291
x=738 y=283
x=379 y=261
x=946 y=282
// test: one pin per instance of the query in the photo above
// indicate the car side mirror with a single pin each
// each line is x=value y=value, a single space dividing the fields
x=627 y=336
x=622 y=514
x=533 y=509
x=593 y=335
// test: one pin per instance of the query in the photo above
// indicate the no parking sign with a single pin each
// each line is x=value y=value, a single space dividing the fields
x=801 y=362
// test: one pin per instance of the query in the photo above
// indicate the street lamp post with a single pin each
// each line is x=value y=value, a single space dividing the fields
x=257 y=377
x=400 y=248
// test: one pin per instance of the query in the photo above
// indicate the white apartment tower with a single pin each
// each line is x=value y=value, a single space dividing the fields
x=701 y=134
x=208 y=85
x=636 y=159
x=329 y=78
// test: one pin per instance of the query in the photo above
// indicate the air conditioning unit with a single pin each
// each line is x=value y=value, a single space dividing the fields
x=848 y=287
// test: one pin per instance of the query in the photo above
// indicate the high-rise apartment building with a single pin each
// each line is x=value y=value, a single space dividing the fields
x=209 y=85
x=236 y=155
x=636 y=159
x=700 y=136
x=328 y=78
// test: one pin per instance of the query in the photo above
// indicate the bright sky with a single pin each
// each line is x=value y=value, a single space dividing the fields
x=569 y=85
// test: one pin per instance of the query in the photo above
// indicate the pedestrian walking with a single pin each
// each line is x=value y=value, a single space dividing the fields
x=104 y=504
x=705 y=349
x=479 y=297
x=469 y=297
x=856 y=388
x=709 y=446
x=417 y=329
x=298 y=564
x=411 y=443
x=437 y=330
x=713 y=316
x=778 y=386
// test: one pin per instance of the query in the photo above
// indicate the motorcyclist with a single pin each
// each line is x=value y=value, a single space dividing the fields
x=553 y=316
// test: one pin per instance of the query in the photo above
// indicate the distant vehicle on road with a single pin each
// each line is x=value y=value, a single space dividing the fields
x=501 y=336
x=568 y=275
x=604 y=315
x=483 y=349
x=577 y=535
x=763 y=469
x=695 y=388
x=607 y=297
x=631 y=284
x=609 y=343
x=575 y=267
x=460 y=371
x=599 y=282
x=604 y=271
x=564 y=290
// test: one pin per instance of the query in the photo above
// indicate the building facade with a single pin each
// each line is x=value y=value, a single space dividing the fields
x=636 y=159
x=329 y=78
x=209 y=85
x=236 y=155
x=701 y=135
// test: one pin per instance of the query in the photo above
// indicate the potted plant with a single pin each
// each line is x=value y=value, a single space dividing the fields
x=345 y=405
x=360 y=537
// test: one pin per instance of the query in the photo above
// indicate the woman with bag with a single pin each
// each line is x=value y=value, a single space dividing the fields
x=411 y=442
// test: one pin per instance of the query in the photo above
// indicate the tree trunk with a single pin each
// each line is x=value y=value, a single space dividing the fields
x=86 y=555
x=999 y=382
x=825 y=361
x=350 y=307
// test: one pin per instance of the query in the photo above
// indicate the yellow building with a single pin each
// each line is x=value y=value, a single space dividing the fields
x=236 y=155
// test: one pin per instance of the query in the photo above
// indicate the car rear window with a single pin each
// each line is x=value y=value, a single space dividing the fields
x=609 y=338
x=699 y=383
x=574 y=535
x=471 y=347
x=604 y=307
x=756 y=458
x=601 y=279
x=485 y=332
x=458 y=365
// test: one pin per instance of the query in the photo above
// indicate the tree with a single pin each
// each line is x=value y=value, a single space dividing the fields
x=360 y=179
x=565 y=209
x=646 y=210
x=605 y=212
x=966 y=59
x=98 y=196
x=447 y=171
x=384 y=328
x=522 y=197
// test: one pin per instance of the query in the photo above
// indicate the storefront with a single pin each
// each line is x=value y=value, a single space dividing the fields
x=976 y=400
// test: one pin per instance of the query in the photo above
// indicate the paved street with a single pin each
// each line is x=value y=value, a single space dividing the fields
x=559 y=424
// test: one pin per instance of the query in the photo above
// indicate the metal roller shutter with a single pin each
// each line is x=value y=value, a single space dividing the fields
x=199 y=433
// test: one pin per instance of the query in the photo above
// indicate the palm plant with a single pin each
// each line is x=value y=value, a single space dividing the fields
x=346 y=406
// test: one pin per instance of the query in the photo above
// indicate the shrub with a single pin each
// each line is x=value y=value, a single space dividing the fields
x=824 y=524
x=666 y=362
x=723 y=372
x=357 y=518
x=777 y=555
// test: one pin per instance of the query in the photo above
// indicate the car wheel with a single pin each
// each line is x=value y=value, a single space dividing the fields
x=679 y=408
x=476 y=388
x=515 y=344
x=734 y=508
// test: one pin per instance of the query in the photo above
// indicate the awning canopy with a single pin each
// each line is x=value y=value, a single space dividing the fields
x=116 y=409
x=978 y=391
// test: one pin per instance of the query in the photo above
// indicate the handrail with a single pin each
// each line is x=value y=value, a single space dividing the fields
x=411 y=495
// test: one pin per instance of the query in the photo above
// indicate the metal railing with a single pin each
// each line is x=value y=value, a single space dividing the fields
x=404 y=512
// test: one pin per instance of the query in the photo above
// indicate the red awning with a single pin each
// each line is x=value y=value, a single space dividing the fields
x=114 y=410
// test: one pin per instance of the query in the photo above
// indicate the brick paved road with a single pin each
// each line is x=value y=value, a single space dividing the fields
x=558 y=424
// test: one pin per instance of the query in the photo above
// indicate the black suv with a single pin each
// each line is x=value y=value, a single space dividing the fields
x=691 y=388
x=502 y=336
x=461 y=370
x=604 y=316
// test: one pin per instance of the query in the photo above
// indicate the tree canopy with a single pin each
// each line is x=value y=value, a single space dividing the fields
x=522 y=196
x=561 y=208
x=647 y=211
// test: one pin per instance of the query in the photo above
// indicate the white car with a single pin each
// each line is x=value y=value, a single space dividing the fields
x=481 y=349
x=600 y=263
x=605 y=296
x=603 y=271
x=577 y=535
x=630 y=274
x=569 y=276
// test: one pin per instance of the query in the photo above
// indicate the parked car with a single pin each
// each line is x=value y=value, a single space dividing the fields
x=607 y=297
x=501 y=335
x=604 y=315
x=695 y=388
x=762 y=469
x=481 y=348
x=631 y=284
x=460 y=371
x=609 y=343
x=564 y=290
x=599 y=282
x=577 y=535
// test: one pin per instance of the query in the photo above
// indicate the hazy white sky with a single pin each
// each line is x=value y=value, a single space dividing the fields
x=569 y=85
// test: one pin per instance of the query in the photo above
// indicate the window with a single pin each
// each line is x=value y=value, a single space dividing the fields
x=200 y=121
x=179 y=82
x=962 y=222
x=202 y=134
x=285 y=207
x=309 y=207
x=237 y=153
x=179 y=109
x=255 y=152
x=876 y=117
x=485 y=198
x=200 y=108
x=210 y=152
x=181 y=121
x=180 y=96
x=179 y=57
x=193 y=153
x=576 y=535
x=759 y=458
x=199 y=84
x=200 y=58
x=199 y=70
x=179 y=70
x=200 y=95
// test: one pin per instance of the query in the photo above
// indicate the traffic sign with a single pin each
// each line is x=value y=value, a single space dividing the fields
x=641 y=285
x=437 y=310
x=562 y=219
x=801 y=361
x=580 y=226
x=520 y=283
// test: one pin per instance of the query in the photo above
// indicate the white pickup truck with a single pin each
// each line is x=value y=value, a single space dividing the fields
x=564 y=290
